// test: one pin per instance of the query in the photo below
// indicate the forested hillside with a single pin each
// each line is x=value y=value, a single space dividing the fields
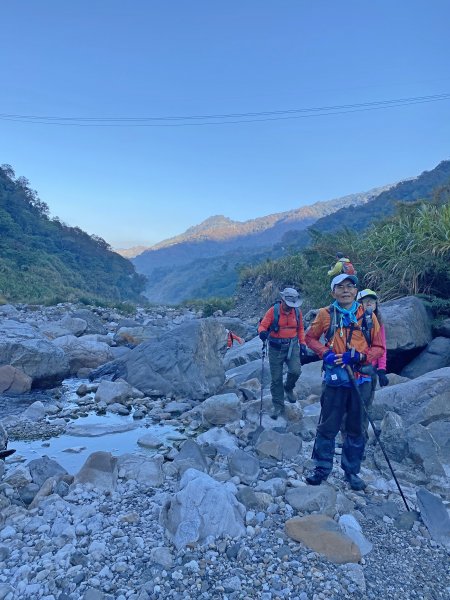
x=405 y=254
x=42 y=259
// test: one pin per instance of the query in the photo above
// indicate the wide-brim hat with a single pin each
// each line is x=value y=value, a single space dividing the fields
x=342 y=277
x=291 y=297
x=367 y=293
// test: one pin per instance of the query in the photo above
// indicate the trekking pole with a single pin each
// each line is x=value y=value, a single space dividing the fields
x=262 y=382
x=377 y=437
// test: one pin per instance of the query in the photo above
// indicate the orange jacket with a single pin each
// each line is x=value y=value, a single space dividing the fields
x=287 y=324
x=338 y=343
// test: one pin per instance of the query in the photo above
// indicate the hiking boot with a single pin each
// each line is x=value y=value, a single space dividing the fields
x=316 y=477
x=355 y=482
x=290 y=395
x=277 y=411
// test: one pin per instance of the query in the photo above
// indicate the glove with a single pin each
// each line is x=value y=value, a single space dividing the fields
x=382 y=378
x=263 y=335
x=357 y=357
x=303 y=350
x=329 y=358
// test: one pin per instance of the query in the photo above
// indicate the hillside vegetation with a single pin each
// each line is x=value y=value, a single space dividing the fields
x=408 y=253
x=43 y=260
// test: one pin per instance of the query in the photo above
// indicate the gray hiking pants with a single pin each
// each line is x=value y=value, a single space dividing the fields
x=278 y=355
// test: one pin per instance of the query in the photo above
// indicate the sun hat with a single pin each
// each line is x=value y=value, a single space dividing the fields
x=367 y=293
x=343 y=277
x=291 y=297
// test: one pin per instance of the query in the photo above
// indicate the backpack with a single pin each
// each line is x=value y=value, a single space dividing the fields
x=348 y=268
x=276 y=317
x=366 y=326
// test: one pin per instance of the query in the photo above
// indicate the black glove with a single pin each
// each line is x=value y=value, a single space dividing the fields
x=263 y=335
x=352 y=358
x=303 y=350
x=382 y=378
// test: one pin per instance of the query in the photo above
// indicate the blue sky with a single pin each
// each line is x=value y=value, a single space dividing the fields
x=134 y=185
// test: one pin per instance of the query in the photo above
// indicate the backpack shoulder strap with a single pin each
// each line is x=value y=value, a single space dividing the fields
x=333 y=324
x=276 y=317
x=366 y=328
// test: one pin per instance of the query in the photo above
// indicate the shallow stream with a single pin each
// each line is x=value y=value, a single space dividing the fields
x=111 y=432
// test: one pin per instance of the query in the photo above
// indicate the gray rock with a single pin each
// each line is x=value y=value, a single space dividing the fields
x=422 y=449
x=186 y=362
x=133 y=336
x=435 y=356
x=116 y=391
x=190 y=456
x=242 y=354
x=98 y=429
x=407 y=323
x=248 y=498
x=422 y=400
x=244 y=465
x=161 y=556
x=14 y=381
x=43 y=468
x=202 y=508
x=75 y=325
x=278 y=445
x=440 y=432
x=443 y=329
x=100 y=469
x=435 y=516
x=3 y=437
x=8 y=310
x=276 y=486
x=393 y=436
x=310 y=380
x=143 y=469
x=24 y=348
x=83 y=353
x=224 y=442
x=310 y=499
x=251 y=370
x=94 y=323
x=222 y=409
x=34 y=412
x=352 y=529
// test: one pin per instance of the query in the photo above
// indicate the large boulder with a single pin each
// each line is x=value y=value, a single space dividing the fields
x=24 y=348
x=435 y=356
x=242 y=354
x=202 y=508
x=185 y=362
x=408 y=326
x=83 y=353
x=310 y=380
x=14 y=381
x=422 y=400
x=251 y=370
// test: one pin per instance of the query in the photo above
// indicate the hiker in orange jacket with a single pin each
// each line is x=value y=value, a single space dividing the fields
x=282 y=325
x=343 y=327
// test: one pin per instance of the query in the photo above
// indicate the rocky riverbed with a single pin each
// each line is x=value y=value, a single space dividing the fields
x=171 y=489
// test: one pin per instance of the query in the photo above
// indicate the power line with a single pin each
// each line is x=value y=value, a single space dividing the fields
x=218 y=119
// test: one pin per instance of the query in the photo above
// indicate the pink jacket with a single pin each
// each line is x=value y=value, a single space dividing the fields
x=380 y=363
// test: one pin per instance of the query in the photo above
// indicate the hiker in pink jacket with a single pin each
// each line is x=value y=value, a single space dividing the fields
x=369 y=300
